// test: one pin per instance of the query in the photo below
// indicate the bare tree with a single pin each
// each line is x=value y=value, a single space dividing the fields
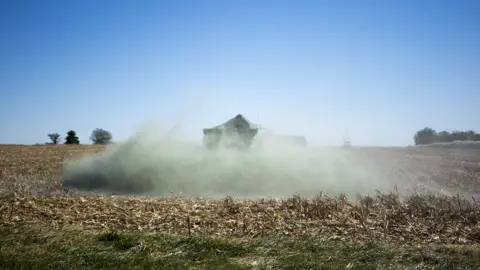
x=54 y=138
x=101 y=136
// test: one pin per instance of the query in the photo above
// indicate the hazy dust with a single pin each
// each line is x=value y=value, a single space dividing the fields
x=152 y=163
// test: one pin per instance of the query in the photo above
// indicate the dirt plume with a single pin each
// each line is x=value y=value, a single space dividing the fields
x=154 y=163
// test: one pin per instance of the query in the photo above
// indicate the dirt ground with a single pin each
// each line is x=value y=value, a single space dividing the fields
x=404 y=221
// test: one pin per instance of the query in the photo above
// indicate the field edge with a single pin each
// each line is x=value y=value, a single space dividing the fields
x=39 y=246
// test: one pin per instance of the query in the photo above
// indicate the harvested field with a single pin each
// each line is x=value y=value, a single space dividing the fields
x=394 y=230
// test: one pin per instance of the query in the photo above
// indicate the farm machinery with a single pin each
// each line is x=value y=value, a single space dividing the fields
x=239 y=133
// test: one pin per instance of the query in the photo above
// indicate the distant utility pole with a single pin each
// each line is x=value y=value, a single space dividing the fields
x=346 y=140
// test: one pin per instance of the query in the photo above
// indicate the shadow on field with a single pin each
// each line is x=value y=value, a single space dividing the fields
x=151 y=164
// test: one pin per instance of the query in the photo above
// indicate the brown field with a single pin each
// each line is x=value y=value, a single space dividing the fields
x=450 y=224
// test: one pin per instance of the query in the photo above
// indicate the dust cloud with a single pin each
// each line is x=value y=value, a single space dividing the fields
x=153 y=163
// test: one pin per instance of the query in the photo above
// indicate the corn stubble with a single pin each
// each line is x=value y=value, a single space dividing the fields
x=413 y=219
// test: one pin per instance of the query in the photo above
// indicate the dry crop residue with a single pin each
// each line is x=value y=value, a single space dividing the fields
x=425 y=219
x=29 y=165
x=419 y=219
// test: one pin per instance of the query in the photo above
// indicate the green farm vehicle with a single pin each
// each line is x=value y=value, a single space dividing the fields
x=239 y=133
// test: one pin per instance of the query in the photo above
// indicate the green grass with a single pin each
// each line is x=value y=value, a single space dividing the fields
x=34 y=247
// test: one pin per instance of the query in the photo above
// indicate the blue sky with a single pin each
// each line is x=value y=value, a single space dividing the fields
x=384 y=69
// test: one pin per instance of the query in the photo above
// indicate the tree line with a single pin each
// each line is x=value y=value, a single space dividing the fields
x=424 y=136
x=98 y=136
x=429 y=136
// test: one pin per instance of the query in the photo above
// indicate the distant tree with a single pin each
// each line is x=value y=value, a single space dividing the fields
x=54 y=138
x=425 y=136
x=459 y=136
x=101 y=136
x=72 y=138
x=443 y=137
x=470 y=134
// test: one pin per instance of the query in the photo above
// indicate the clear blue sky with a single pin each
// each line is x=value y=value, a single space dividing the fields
x=384 y=69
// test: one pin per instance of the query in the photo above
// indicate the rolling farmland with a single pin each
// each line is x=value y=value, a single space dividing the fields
x=421 y=222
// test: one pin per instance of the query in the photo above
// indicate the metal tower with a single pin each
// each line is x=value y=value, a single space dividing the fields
x=346 y=140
